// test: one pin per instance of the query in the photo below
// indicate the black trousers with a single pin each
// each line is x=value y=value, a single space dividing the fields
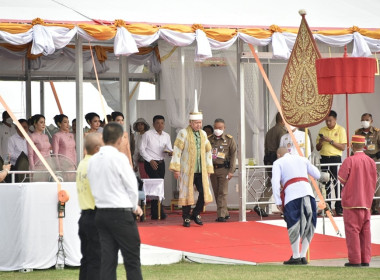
x=333 y=178
x=201 y=199
x=90 y=246
x=159 y=173
x=118 y=230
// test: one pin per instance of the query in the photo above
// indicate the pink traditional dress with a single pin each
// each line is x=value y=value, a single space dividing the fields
x=358 y=175
x=64 y=144
x=43 y=145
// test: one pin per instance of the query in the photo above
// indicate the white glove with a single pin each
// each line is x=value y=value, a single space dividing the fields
x=325 y=177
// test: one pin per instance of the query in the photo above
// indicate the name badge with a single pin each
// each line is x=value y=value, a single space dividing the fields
x=221 y=155
x=371 y=147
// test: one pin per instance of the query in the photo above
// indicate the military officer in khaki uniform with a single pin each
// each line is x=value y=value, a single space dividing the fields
x=371 y=149
x=223 y=158
x=271 y=144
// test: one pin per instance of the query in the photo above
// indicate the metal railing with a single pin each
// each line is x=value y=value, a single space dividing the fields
x=64 y=176
x=258 y=184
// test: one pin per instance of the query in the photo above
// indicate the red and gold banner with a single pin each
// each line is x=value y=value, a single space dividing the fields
x=301 y=104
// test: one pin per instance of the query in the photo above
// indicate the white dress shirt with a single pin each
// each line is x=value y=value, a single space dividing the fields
x=153 y=145
x=287 y=142
x=112 y=180
x=5 y=133
x=16 y=145
x=289 y=167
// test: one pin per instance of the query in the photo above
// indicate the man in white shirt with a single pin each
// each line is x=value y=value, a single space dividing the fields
x=114 y=187
x=287 y=142
x=155 y=144
x=7 y=129
x=294 y=197
x=17 y=143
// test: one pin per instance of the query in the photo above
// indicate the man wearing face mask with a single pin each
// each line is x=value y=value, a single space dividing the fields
x=192 y=165
x=223 y=158
x=7 y=129
x=371 y=148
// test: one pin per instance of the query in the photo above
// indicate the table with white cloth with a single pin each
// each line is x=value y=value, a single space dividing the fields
x=29 y=226
x=154 y=188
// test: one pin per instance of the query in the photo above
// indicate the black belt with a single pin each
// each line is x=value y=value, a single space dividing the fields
x=216 y=166
x=89 y=211
x=116 y=209
x=331 y=157
x=158 y=161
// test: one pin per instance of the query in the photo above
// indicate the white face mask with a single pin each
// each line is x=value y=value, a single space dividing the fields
x=365 y=124
x=9 y=121
x=218 y=132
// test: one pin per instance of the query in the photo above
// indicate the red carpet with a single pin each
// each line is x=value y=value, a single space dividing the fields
x=249 y=241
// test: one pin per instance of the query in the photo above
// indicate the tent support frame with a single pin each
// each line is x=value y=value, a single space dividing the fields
x=79 y=96
x=241 y=148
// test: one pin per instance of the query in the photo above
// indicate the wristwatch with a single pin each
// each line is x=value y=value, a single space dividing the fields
x=331 y=142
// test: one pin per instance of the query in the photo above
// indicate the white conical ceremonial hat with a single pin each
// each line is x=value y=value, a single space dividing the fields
x=195 y=115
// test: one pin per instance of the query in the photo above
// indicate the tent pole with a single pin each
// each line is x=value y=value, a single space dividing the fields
x=42 y=98
x=241 y=150
x=266 y=97
x=79 y=96
x=124 y=90
x=28 y=90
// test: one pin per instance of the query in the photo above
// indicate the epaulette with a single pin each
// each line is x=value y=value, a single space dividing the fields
x=376 y=129
x=209 y=135
x=229 y=136
x=357 y=131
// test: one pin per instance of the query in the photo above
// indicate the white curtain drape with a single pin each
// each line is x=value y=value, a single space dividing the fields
x=180 y=77
x=48 y=39
x=254 y=102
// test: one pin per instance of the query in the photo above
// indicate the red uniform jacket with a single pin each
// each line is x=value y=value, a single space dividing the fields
x=358 y=175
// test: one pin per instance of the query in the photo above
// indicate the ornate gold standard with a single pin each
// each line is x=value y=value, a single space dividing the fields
x=301 y=104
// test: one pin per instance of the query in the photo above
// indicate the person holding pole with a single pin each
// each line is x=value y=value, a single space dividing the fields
x=295 y=199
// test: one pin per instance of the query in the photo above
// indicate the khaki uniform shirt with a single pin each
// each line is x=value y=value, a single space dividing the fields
x=372 y=138
x=223 y=149
x=273 y=138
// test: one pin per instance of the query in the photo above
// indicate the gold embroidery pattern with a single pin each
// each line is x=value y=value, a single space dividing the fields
x=301 y=104
x=179 y=144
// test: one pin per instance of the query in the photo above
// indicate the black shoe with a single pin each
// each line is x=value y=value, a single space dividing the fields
x=221 y=219
x=186 y=222
x=339 y=212
x=352 y=264
x=227 y=217
x=292 y=261
x=197 y=220
x=364 y=264
x=260 y=212
x=375 y=212
x=304 y=261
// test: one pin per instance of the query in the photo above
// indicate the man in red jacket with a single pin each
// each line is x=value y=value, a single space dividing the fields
x=358 y=175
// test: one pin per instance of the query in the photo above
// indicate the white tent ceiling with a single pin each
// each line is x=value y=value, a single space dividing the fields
x=321 y=14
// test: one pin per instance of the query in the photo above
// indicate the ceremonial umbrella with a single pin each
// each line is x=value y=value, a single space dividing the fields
x=346 y=75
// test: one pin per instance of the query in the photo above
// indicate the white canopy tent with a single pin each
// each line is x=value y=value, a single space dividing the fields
x=47 y=40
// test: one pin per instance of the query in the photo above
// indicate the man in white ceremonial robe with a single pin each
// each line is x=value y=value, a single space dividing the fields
x=294 y=197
